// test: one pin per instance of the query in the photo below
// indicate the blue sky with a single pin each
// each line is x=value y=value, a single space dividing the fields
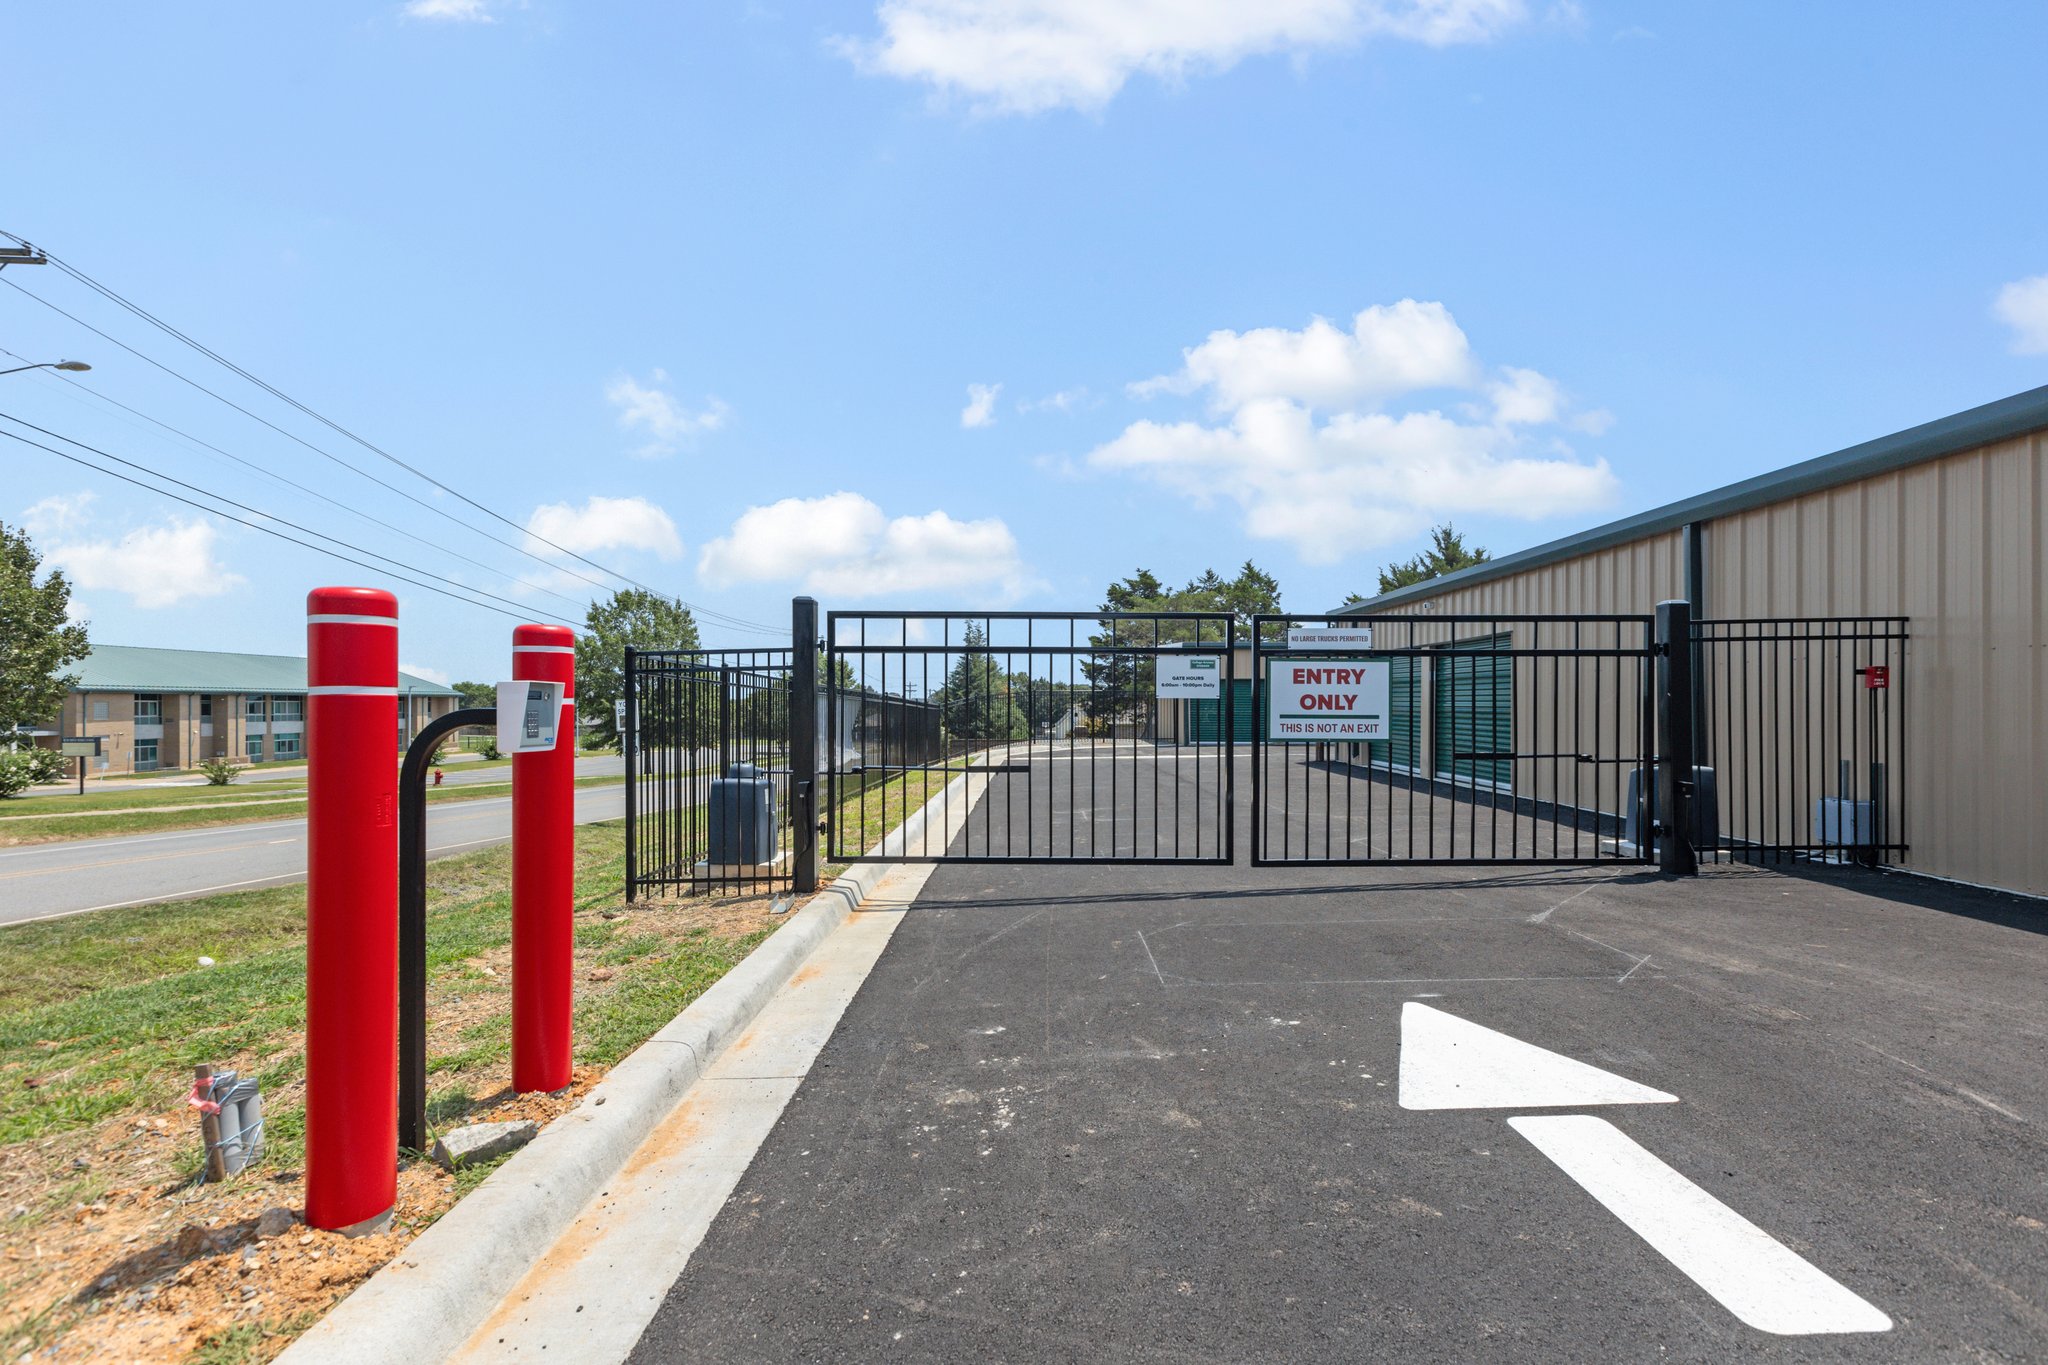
x=721 y=295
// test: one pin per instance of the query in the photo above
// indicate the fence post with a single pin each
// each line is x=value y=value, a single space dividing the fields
x=351 y=908
x=544 y=871
x=628 y=751
x=803 y=740
x=1675 y=854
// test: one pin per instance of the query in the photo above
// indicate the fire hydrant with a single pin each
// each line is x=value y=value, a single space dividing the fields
x=437 y=777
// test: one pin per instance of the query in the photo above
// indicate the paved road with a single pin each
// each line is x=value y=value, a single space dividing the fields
x=45 y=880
x=458 y=773
x=1174 y=1114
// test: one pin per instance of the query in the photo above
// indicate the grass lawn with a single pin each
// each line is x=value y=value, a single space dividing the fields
x=102 y=1017
x=193 y=808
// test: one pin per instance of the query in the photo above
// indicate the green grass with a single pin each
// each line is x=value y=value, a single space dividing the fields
x=176 y=815
x=104 y=1014
x=75 y=804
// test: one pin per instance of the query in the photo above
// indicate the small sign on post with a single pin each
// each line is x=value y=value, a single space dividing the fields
x=1199 y=678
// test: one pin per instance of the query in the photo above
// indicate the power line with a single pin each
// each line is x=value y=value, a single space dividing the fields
x=375 y=449
x=310 y=492
x=255 y=526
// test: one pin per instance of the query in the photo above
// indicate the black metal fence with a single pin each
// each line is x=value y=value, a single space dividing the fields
x=1054 y=743
x=865 y=729
x=1506 y=739
x=1800 y=736
x=709 y=781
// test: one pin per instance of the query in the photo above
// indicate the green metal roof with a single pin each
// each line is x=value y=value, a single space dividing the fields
x=2000 y=421
x=133 y=668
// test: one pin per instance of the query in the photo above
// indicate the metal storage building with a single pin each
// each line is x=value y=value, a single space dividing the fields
x=1941 y=524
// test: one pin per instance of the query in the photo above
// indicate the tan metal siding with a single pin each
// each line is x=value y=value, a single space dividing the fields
x=1956 y=544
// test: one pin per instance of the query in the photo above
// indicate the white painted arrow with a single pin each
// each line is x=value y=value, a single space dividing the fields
x=1751 y=1273
x=1452 y=1063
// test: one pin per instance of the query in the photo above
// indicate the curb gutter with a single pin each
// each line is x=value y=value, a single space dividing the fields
x=425 y=1303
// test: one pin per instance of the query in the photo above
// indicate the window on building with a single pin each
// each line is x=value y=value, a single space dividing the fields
x=284 y=746
x=206 y=708
x=99 y=710
x=145 y=755
x=256 y=709
x=149 y=708
x=255 y=747
x=288 y=708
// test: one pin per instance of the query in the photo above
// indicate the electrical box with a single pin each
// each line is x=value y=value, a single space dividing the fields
x=743 y=818
x=528 y=714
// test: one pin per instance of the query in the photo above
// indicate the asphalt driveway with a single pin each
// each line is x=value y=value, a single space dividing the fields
x=1155 y=1114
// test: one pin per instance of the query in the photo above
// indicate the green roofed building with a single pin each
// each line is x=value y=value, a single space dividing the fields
x=178 y=708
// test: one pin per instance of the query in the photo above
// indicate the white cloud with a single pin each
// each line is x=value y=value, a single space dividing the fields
x=1340 y=485
x=981 y=405
x=1525 y=397
x=1391 y=348
x=157 y=566
x=603 y=524
x=451 y=11
x=652 y=408
x=432 y=675
x=1026 y=56
x=844 y=545
x=1065 y=401
x=59 y=513
x=2023 y=306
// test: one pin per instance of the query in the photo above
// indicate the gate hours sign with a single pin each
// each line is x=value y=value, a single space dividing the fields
x=1343 y=701
x=1196 y=679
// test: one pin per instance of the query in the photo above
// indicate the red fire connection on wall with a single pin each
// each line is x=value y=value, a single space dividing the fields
x=351 y=906
x=544 y=871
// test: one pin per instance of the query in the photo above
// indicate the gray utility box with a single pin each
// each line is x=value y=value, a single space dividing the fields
x=1845 y=824
x=1706 y=810
x=743 y=823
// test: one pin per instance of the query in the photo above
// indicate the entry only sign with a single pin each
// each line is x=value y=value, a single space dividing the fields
x=1323 y=701
x=1196 y=678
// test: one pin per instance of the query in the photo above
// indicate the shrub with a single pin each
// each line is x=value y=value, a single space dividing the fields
x=49 y=765
x=16 y=773
x=491 y=749
x=220 y=771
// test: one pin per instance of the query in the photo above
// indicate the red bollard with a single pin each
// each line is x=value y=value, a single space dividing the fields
x=544 y=871
x=351 y=907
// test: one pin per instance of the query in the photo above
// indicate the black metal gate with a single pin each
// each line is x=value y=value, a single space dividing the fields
x=1090 y=737
x=1504 y=739
x=712 y=800
x=1800 y=729
x=1059 y=737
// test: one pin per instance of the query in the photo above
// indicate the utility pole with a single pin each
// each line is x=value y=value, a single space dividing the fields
x=21 y=255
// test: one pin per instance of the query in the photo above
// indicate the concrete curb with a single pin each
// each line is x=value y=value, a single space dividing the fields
x=425 y=1304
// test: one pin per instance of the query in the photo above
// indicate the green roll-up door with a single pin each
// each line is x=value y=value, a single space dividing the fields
x=1405 y=687
x=1475 y=710
x=1205 y=718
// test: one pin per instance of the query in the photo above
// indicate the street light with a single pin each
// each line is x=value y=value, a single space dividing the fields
x=74 y=366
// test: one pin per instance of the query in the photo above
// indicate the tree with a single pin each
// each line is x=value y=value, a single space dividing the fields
x=642 y=620
x=1120 y=685
x=477 y=694
x=976 y=701
x=1446 y=554
x=36 y=642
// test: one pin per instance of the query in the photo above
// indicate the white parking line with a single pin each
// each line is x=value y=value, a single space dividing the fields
x=1749 y=1272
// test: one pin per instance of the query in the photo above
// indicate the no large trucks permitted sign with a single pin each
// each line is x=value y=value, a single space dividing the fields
x=1342 y=701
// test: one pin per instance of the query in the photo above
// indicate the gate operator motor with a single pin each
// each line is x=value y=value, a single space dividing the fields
x=743 y=818
x=529 y=713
